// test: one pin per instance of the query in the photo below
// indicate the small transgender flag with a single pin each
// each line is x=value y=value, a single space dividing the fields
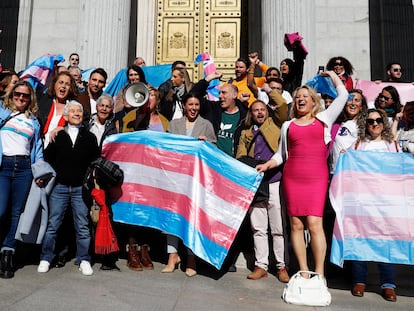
x=209 y=67
x=372 y=194
x=182 y=186
x=38 y=72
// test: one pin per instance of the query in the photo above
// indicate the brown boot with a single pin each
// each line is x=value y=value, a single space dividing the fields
x=133 y=262
x=145 y=257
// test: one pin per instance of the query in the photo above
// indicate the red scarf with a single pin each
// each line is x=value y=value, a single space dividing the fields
x=105 y=239
x=50 y=117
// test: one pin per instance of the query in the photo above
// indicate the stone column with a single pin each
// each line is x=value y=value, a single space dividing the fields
x=280 y=17
x=146 y=24
x=23 y=37
x=103 y=34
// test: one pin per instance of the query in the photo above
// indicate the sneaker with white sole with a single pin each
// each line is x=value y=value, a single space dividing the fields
x=43 y=266
x=85 y=268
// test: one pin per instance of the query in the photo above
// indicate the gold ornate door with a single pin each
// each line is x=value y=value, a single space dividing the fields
x=186 y=28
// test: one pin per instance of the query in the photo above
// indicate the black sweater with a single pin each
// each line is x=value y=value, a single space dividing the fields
x=71 y=161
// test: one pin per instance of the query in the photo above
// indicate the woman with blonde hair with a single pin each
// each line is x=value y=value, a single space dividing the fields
x=303 y=149
x=20 y=147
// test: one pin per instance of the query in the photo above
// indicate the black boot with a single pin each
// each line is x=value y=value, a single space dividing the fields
x=7 y=269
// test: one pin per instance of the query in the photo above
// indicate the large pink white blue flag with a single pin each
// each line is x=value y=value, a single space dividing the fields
x=372 y=194
x=184 y=187
x=372 y=89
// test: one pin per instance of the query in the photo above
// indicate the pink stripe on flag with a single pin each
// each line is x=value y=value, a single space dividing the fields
x=174 y=202
x=365 y=182
x=210 y=179
x=378 y=228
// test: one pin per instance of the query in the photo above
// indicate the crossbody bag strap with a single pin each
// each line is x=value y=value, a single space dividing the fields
x=251 y=143
x=8 y=119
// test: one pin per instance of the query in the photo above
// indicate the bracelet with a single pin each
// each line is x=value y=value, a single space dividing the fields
x=250 y=73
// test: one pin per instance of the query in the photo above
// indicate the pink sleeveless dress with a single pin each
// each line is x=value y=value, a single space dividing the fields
x=305 y=175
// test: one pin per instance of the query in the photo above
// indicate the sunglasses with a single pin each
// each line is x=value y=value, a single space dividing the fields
x=75 y=59
x=372 y=121
x=25 y=96
x=338 y=64
x=397 y=70
x=386 y=98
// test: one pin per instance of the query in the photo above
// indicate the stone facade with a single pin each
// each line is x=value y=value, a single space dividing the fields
x=98 y=30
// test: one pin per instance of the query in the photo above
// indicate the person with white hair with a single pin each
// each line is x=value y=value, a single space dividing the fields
x=70 y=154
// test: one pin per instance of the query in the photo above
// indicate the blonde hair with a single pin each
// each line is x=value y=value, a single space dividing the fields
x=315 y=98
x=31 y=108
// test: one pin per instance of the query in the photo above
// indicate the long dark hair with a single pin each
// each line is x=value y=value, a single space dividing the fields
x=140 y=72
x=396 y=106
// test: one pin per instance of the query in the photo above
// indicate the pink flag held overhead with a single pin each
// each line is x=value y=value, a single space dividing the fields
x=372 y=89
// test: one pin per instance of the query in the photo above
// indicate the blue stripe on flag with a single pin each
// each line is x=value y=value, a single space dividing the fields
x=388 y=251
x=377 y=162
x=172 y=223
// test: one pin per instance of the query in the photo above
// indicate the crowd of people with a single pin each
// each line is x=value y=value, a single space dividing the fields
x=291 y=133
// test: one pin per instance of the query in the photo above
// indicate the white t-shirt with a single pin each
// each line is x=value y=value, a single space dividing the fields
x=16 y=135
x=380 y=146
x=347 y=134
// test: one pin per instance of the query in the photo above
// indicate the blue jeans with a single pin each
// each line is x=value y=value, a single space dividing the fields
x=386 y=270
x=61 y=197
x=15 y=181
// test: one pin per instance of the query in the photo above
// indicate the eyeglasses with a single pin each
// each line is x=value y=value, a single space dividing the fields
x=386 y=98
x=26 y=96
x=397 y=70
x=372 y=121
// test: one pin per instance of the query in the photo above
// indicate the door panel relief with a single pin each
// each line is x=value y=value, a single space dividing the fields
x=188 y=28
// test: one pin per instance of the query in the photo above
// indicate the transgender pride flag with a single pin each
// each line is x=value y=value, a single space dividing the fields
x=41 y=69
x=372 y=194
x=184 y=187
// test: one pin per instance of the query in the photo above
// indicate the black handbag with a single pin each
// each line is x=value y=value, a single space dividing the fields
x=262 y=192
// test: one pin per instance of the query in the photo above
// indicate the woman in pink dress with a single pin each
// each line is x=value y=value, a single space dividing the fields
x=303 y=148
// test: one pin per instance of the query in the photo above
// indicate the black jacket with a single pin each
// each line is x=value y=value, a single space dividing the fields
x=70 y=161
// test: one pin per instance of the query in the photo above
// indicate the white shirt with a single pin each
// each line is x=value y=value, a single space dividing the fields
x=347 y=134
x=73 y=132
x=16 y=135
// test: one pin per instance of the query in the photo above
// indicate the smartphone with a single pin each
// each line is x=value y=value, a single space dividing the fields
x=321 y=69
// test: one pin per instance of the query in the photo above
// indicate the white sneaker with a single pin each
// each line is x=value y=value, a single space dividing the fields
x=43 y=266
x=85 y=268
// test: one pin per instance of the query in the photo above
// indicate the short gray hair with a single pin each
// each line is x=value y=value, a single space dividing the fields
x=70 y=104
x=107 y=97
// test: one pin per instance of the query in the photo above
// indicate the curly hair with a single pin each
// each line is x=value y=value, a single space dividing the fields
x=31 y=108
x=73 y=90
x=315 y=98
x=363 y=133
x=349 y=69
